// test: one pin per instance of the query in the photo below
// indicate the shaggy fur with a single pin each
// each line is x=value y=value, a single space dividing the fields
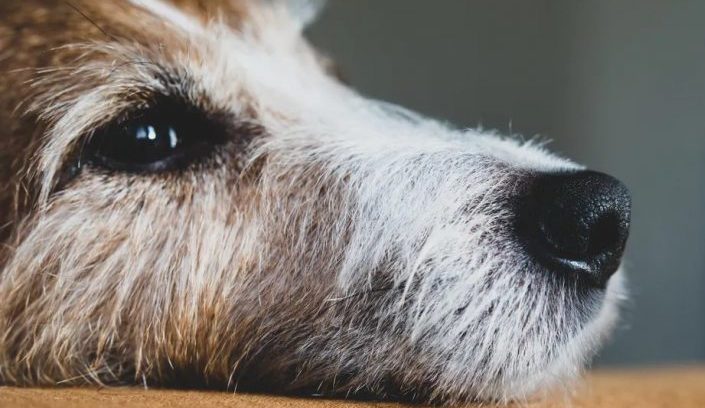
x=334 y=245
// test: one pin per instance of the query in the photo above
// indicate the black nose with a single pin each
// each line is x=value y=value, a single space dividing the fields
x=577 y=223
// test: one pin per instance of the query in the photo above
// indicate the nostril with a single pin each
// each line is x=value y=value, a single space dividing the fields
x=606 y=234
x=577 y=222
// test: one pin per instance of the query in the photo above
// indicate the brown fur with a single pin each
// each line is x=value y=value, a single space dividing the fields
x=32 y=34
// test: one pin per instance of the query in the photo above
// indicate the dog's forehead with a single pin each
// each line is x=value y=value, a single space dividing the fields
x=193 y=15
x=50 y=35
x=234 y=10
x=53 y=23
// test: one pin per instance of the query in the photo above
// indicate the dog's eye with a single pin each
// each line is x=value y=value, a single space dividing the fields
x=161 y=138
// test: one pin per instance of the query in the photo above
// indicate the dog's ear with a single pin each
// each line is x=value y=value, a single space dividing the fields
x=305 y=11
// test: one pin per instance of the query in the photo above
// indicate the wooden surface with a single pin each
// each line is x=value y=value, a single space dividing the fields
x=673 y=387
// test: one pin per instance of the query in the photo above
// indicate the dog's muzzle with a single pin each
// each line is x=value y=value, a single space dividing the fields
x=576 y=224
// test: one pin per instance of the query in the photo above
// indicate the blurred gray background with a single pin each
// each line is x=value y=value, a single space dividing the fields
x=616 y=84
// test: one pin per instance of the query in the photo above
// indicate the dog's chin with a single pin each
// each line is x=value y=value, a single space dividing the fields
x=561 y=373
x=529 y=367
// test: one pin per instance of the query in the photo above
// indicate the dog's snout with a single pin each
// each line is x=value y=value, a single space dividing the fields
x=577 y=222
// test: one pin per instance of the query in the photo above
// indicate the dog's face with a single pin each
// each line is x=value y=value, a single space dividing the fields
x=195 y=200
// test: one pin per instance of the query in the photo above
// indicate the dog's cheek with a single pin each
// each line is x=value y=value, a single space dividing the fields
x=112 y=267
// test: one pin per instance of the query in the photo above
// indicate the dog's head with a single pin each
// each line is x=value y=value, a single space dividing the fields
x=194 y=199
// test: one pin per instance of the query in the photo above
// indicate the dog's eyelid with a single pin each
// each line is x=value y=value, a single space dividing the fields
x=164 y=133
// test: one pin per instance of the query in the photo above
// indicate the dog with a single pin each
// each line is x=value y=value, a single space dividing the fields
x=193 y=198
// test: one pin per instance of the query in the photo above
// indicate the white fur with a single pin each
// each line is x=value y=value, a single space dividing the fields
x=171 y=15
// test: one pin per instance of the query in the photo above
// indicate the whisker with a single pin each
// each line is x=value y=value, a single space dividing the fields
x=90 y=20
